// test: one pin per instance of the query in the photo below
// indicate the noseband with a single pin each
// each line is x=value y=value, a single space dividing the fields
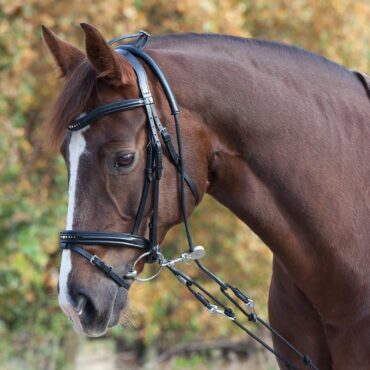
x=72 y=239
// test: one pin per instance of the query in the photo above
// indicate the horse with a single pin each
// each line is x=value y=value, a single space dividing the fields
x=277 y=134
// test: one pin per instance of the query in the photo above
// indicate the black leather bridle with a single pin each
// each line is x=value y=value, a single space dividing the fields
x=72 y=239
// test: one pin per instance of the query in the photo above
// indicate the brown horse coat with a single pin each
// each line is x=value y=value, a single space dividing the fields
x=278 y=135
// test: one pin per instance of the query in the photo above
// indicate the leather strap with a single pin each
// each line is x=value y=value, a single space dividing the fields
x=158 y=72
x=128 y=52
x=144 y=195
x=175 y=159
x=101 y=265
x=156 y=148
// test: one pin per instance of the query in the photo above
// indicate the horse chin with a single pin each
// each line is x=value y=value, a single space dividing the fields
x=95 y=333
x=93 y=330
x=100 y=328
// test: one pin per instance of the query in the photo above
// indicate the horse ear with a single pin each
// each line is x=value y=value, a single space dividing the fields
x=65 y=54
x=114 y=69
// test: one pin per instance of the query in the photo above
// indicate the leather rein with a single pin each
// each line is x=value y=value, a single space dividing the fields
x=73 y=239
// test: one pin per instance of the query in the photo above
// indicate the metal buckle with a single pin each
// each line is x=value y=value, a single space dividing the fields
x=142 y=32
x=213 y=309
x=148 y=98
x=196 y=254
x=93 y=259
x=253 y=315
x=250 y=305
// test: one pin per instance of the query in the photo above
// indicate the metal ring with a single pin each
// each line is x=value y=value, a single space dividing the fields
x=133 y=269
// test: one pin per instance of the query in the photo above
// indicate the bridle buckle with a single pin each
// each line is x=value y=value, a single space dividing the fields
x=93 y=259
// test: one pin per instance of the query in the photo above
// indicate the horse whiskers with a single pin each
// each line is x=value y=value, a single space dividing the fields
x=127 y=320
x=127 y=323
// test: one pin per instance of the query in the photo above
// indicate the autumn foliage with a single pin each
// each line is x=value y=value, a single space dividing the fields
x=33 y=181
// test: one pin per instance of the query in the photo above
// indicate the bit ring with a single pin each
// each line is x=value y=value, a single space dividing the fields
x=133 y=273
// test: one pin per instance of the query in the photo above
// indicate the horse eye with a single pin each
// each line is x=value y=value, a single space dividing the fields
x=124 y=160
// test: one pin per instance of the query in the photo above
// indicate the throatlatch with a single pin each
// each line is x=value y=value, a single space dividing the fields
x=73 y=239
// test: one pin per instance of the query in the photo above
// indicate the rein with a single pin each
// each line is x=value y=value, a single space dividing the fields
x=73 y=239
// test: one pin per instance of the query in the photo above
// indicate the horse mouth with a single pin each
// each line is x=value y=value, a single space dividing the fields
x=95 y=321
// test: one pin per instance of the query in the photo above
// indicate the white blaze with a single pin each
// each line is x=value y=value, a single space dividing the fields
x=76 y=148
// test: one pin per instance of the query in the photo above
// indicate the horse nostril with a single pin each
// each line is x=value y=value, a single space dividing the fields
x=81 y=303
x=85 y=308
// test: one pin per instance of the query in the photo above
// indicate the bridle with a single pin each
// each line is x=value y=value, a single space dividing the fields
x=72 y=239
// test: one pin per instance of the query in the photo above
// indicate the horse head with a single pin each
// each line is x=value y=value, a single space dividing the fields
x=107 y=164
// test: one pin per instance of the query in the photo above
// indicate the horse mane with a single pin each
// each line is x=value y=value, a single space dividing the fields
x=207 y=40
x=79 y=86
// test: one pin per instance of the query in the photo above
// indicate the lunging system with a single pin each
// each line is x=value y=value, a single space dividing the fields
x=72 y=239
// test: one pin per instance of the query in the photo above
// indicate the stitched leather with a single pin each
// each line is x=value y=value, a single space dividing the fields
x=68 y=237
x=118 y=106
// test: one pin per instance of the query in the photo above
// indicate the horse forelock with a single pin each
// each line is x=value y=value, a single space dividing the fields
x=78 y=89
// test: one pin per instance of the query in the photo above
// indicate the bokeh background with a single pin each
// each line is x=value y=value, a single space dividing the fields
x=166 y=328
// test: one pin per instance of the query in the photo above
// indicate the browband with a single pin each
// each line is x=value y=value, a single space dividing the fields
x=85 y=118
x=95 y=238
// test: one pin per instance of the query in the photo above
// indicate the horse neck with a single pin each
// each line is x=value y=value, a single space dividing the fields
x=277 y=161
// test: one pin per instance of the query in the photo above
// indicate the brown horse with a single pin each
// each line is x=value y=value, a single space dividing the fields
x=278 y=135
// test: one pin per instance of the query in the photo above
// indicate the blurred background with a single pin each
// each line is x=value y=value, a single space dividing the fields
x=166 y=328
